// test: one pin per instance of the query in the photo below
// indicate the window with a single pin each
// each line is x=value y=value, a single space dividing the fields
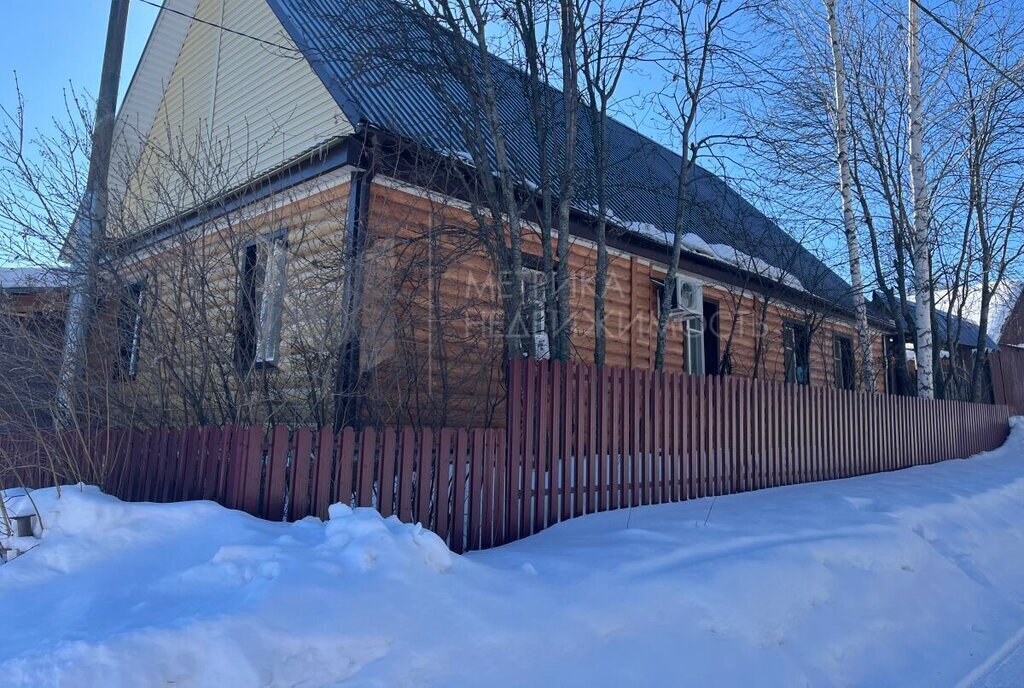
x=129 y=330
x=695 y=346
x=261 y=302
x=702 y=343
x=534 y=310
x=796 y=342
x=842 y=361
x=712 y=344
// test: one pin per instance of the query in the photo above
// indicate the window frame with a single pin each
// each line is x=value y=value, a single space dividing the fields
x=691 y=334
x=792 y=351
x=843 y=364
x=133 y=302
x=532 y=281
x=695 y=358
x=258 y=338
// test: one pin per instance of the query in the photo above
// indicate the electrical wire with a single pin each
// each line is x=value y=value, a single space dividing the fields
x=163 y=7
x=963 y=41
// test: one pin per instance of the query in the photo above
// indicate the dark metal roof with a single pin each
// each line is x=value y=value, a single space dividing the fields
x=966 y=331
x=385 y=66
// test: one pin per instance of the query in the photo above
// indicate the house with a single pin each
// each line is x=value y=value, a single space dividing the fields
x=1010 y=326
x=294 y=213
x=31 y=337
x=1008 y=364
x=956 y=341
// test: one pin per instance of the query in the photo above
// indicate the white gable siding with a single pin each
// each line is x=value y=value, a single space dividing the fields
x=233 y=108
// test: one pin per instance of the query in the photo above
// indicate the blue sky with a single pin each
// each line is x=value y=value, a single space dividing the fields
x=53 y=43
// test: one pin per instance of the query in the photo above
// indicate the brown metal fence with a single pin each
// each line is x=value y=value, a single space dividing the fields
x=584 y=439
x=419 y=475
x=1007 y=366
x=579 y=439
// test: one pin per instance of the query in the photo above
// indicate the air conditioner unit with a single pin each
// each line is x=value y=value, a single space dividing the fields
x=687 y=298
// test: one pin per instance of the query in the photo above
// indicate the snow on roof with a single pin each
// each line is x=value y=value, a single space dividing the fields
x=14 y=278
x=722 y=253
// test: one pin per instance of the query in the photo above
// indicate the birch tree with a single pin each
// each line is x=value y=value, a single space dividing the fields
x=922 y=233
x=845 y=183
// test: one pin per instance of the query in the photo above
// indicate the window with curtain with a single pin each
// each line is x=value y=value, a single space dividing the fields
x=261 y=302
x=796 y=342
x=535 y=310
x=129 y=329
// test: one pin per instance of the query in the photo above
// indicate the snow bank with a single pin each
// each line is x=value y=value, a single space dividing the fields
x=913 y=578
x=122 y=594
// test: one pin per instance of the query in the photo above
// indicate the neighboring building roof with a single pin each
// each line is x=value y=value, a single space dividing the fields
x=1011 y=326
x=966 y=329
x=29 y=279
x=1000 y=306
x=380 y=62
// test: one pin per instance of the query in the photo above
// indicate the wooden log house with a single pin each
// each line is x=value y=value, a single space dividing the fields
x=323 y=237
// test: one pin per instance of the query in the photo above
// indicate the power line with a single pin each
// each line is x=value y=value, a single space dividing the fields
x=963 y=41
x=163 y=7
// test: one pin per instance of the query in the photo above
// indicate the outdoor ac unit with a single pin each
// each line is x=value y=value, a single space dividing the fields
x=687 y=298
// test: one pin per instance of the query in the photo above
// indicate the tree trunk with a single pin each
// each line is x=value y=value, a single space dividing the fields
x=849 y=220
x=566 y=191
x=922 y=238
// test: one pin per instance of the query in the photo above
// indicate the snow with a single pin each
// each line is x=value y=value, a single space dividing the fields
x=911 y=578
x=31 y=277
x=749 y=263
x=722 y=253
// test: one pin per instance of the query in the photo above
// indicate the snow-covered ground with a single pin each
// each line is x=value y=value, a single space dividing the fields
x=913 y=578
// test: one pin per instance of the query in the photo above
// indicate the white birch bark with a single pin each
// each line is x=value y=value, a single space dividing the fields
x=867 y=364
x=918 y=184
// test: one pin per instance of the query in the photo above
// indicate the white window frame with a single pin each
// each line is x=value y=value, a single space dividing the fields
x=138 y=302
x=695 y=346
x=535 y=306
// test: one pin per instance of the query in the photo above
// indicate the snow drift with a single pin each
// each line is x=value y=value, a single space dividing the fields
x=913 y=578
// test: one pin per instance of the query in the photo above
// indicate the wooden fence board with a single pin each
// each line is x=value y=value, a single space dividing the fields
x=345 y=467
x=424 y=478
x=459 y=473
x=274 y=481
x=406 y=469
x=301 y=483
x=442 y=484
x=542 y=447
x=565 y=457
x=386 y=476
x=323 y=468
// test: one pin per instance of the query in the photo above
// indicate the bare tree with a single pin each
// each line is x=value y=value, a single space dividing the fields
x=845 y=186
x=697 y=51
x=607 y=46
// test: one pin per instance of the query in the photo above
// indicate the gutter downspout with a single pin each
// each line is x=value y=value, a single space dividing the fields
x=346 y=391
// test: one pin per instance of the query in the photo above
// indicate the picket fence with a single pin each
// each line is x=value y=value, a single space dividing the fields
x=579 y=439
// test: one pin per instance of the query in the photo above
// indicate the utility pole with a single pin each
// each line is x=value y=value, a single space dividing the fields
x=87 y=234
x=922 y=236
